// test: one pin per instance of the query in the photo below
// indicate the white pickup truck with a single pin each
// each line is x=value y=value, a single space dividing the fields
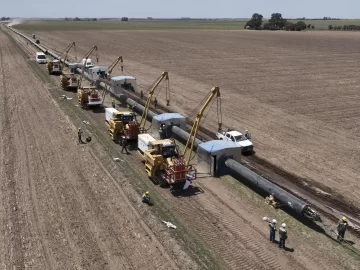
x=238 y=138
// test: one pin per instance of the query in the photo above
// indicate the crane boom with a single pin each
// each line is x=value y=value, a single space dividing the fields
x=113 y=65
x=192 y=136
x=67 y=51
x=164 y=75
x=86 y=58
x=108 y=76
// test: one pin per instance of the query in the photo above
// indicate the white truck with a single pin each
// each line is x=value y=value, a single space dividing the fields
x=88 y=63
x=238 y=138
x=144 y=142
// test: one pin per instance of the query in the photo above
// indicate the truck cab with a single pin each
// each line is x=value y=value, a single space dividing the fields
x=238 y=138
x=88 y=63
x=41 y=58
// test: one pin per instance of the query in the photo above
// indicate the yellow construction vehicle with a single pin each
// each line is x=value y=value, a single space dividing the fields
x=107 y=78
x=117 y=121
x=215 y=92
x=165 y=165
x=88 y=95
x=133 y=129
x=68 y=80
x=54 y=67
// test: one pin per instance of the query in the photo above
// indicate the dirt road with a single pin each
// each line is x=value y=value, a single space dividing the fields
x=296 y=92
x=60 y=209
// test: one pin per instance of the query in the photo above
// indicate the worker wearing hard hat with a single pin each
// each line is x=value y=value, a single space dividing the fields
x=113 y=103
x=341 y=227
x=79 y=135
x=247 y=135
x=146 y=197
x=272 y=226
x=282 y=235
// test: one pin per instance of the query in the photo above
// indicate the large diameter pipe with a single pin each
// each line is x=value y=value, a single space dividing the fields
x=137 y=107
x=182 y=134
x=280 y=194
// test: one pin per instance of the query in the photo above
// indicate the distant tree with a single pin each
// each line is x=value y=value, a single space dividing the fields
x=67 y=19
x=309 y=25
x=77 y=19
x=289 y=26
x=3 y=18
x=313 y=26
x=255 y=22
x=124 y=19
x=94 y=19
x=277 y=21
x=339 y=27
x=330 y=27
x=301 y=24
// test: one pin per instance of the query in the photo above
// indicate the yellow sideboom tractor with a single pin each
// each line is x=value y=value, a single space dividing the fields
x=118 y=122
x=165 y=166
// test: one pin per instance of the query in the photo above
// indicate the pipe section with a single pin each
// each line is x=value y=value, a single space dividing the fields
x=182 y=134
x=283 y=196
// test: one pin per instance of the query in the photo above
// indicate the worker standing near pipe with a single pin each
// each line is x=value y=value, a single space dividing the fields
x=283 y=235
x=155 y=103
x=272 y=226
x=341 y=227
x=113 y=103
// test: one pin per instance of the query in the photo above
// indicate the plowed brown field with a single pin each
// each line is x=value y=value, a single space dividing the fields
x=298 y=93
x=71 y=213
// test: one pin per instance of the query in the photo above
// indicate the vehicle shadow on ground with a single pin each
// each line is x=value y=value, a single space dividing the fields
x=190 y=191
x=248 y=154
x=100 y=109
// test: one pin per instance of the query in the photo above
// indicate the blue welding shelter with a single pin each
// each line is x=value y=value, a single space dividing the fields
x=213 y=154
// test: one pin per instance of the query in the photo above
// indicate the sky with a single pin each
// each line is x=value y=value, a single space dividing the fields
x=180 y=8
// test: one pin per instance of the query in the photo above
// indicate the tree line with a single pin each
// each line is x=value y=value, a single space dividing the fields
x=345 y=27
x=5 y=18
x=276 y=22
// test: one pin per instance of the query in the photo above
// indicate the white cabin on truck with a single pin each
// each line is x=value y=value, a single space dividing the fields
x=98 y=72
x=238 y=138
x=144 y=142
x=119 y=83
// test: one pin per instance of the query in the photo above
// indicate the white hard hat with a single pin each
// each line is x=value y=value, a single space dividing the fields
x=283 y=225
x=274 y=221
x=246 y=130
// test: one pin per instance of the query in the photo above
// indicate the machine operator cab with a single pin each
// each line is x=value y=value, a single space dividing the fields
x=167 y=149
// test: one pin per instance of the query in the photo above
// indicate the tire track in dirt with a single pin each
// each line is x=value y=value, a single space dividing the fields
x=226 y=233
